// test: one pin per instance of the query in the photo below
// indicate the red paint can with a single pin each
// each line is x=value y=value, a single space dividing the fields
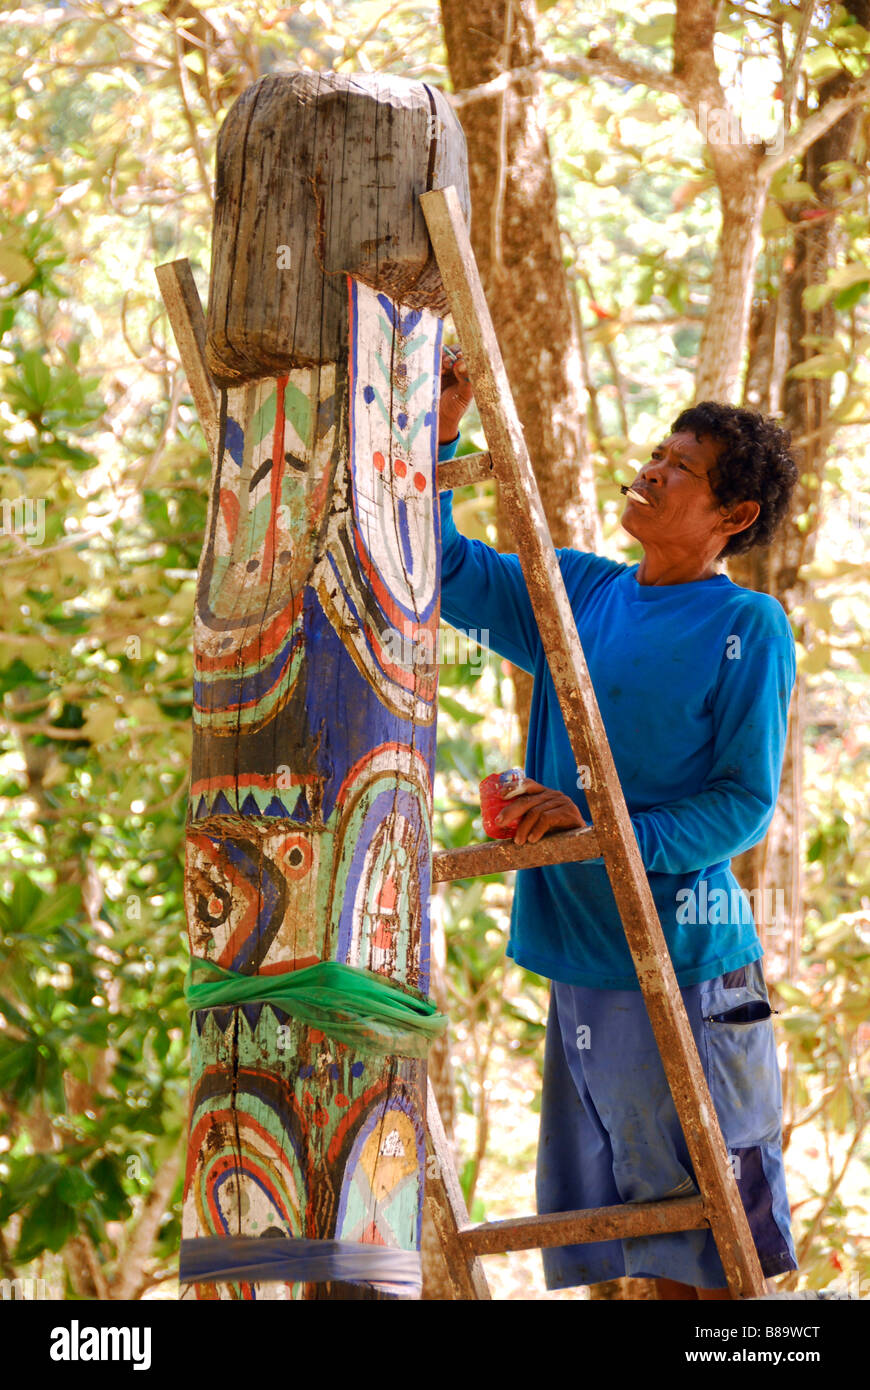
x=495 y=793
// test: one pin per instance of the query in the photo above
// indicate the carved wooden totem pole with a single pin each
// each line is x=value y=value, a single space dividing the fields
x=308 y=844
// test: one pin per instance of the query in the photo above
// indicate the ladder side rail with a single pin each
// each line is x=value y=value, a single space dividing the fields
x=448 y=1210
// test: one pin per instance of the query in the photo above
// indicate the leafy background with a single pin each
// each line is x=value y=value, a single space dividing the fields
x=107 y=131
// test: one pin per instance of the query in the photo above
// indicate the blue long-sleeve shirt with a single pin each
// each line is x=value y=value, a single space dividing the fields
x=693 y=682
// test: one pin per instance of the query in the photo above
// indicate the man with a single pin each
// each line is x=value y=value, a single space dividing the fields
x=693 y=677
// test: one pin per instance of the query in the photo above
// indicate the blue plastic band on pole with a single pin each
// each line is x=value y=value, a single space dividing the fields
x=281 y=1259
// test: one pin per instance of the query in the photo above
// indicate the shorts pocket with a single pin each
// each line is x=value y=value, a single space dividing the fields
x=754 y=1012
x=742 y=1067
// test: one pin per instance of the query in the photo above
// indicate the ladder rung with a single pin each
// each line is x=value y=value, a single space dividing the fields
x=497 y=856
x=583 y=1227
x=468 y=468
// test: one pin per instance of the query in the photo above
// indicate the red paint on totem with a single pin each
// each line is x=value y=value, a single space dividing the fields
x=388 y=896
x=294 y=871
x=228 y=1118
x=278 y=467
x=267 y=640
x=399 y=674
x=362 y=762
x=229 y=504
x=287 y=967
x=384 y=935
x=393 y=612
x=267 y=781
x=361 y=1103
x=372 y=1236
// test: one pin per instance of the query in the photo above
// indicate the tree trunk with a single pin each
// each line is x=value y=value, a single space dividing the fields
x=777 y=863
x=316 y=683
x=723 y=339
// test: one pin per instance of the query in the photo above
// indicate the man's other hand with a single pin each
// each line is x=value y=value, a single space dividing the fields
x=540 y=810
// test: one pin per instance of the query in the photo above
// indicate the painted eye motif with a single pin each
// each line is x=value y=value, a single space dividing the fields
x=296 y=856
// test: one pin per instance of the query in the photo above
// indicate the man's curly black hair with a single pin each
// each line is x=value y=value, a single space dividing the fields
x=754 y=466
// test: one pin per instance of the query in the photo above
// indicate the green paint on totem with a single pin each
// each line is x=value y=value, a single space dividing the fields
x=235 y=796
x=415 y=385
x=401 y=346
x=404 y=438
x=263 y=422
x=412 y=433
x=219 y=566
x=399 y=1214
x=413 y=344
x=294 y=497
x=256 y=525
x=377 y=395
x=252 y=667
x=297 y=409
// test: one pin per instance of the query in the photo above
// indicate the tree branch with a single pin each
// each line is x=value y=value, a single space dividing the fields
x=45 y=730
x=130 y=1275
x=791 y=72
x=815 y=126
x=600 y=62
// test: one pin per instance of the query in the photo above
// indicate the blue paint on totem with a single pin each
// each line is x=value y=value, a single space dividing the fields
x=345 y=717
x=234 y=441
x=404 y=534
x=406 y=325
x=233 y=693
x=261 y=881
x=251 y=1011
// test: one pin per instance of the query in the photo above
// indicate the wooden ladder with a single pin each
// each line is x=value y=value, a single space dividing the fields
x=718 y=1204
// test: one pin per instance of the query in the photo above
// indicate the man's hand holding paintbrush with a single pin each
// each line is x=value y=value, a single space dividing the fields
x=456 y=394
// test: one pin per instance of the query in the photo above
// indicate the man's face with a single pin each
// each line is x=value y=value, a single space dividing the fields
x=679 y=510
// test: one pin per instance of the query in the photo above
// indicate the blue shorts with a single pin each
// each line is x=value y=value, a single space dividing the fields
x=610 y=1133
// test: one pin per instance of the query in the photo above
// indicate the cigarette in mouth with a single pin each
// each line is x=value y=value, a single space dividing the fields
x=635 y=496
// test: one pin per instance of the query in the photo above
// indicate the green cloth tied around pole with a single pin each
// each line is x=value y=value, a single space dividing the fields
x=350 y=1004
